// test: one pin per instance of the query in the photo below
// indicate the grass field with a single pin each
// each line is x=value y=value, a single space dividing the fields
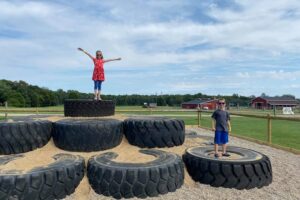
x=284 y=133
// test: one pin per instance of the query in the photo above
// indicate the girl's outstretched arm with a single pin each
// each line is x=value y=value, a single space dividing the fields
x=80 y=49
x=108 y=60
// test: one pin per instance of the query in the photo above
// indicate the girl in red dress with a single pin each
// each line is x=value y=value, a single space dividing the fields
x=98 y=74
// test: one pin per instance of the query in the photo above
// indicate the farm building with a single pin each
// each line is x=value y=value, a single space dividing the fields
x=270 y=102
x=209 y=104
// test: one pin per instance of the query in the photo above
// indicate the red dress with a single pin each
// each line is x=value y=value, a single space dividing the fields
x=98 y=74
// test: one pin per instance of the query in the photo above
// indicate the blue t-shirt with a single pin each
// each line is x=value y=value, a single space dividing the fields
x=221 y=117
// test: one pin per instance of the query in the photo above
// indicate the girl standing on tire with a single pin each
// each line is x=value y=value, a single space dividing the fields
x=98 y=74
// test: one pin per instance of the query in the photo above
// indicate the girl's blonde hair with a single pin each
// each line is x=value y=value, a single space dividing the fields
x=98 y=51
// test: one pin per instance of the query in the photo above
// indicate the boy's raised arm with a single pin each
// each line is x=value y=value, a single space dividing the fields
x=80 y=49
x=114 y=59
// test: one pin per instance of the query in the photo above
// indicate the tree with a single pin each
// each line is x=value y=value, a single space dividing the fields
x=289 y=96
x=16 y=99
x=4 y=92
x=20 y=93
x=263 y=94
x=34 y=99
x=72 y=94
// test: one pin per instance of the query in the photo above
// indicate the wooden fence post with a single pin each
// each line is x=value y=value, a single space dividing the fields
x=199 y=117
x=269 y=129
x=6 y=114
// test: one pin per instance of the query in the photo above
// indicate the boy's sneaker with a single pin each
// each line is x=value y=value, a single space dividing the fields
x=217 y=155
x=225 y=154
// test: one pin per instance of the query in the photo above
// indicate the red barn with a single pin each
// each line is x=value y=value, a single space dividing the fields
x=210 y=104
x=270 y=102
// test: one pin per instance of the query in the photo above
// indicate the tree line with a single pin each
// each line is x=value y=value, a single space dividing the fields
x=22 y=94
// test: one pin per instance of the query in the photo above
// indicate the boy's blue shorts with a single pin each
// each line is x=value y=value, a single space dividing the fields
x=97 y=85
x=221 y=137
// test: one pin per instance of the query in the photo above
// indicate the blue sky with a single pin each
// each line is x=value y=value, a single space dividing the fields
x=213 y=47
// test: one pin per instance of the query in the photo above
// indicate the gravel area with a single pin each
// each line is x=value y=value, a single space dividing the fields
x=286 y=178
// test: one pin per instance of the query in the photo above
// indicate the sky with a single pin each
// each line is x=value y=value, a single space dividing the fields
x=248 y=47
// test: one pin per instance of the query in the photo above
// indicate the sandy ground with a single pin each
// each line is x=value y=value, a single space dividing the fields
x=286 y=169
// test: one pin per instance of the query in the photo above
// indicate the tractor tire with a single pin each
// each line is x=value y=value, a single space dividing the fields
x=54 y=181
x=88 y=108
x=154 y=132
x=252 y=170
x=127 y=180
x=88 y=134
x=23 y=136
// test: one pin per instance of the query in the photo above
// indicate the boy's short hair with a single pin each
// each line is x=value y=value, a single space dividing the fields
x=222 y=100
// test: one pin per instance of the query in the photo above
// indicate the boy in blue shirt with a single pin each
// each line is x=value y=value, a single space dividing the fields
x=221 y=126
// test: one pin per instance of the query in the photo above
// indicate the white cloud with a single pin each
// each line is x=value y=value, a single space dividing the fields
x=37 y=9
x=44 y=35
x=276 y=75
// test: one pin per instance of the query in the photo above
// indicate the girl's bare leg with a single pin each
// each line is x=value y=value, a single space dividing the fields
x=99 y=93
x=96 y=94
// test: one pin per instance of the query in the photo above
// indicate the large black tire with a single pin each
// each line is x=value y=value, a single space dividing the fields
x=252 y=170
x=88 y=108
x=23 y=136
x=126 y=180
x=87 y=135
x=154 y=132
x=54 y=181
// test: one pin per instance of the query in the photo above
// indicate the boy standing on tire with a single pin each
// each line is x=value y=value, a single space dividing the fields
x=221 y=126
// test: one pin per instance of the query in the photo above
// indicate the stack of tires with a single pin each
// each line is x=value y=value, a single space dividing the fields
x=120 y=180
x=111 y=178
x=54 y=181
x=160 y=176
x=125 y=180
